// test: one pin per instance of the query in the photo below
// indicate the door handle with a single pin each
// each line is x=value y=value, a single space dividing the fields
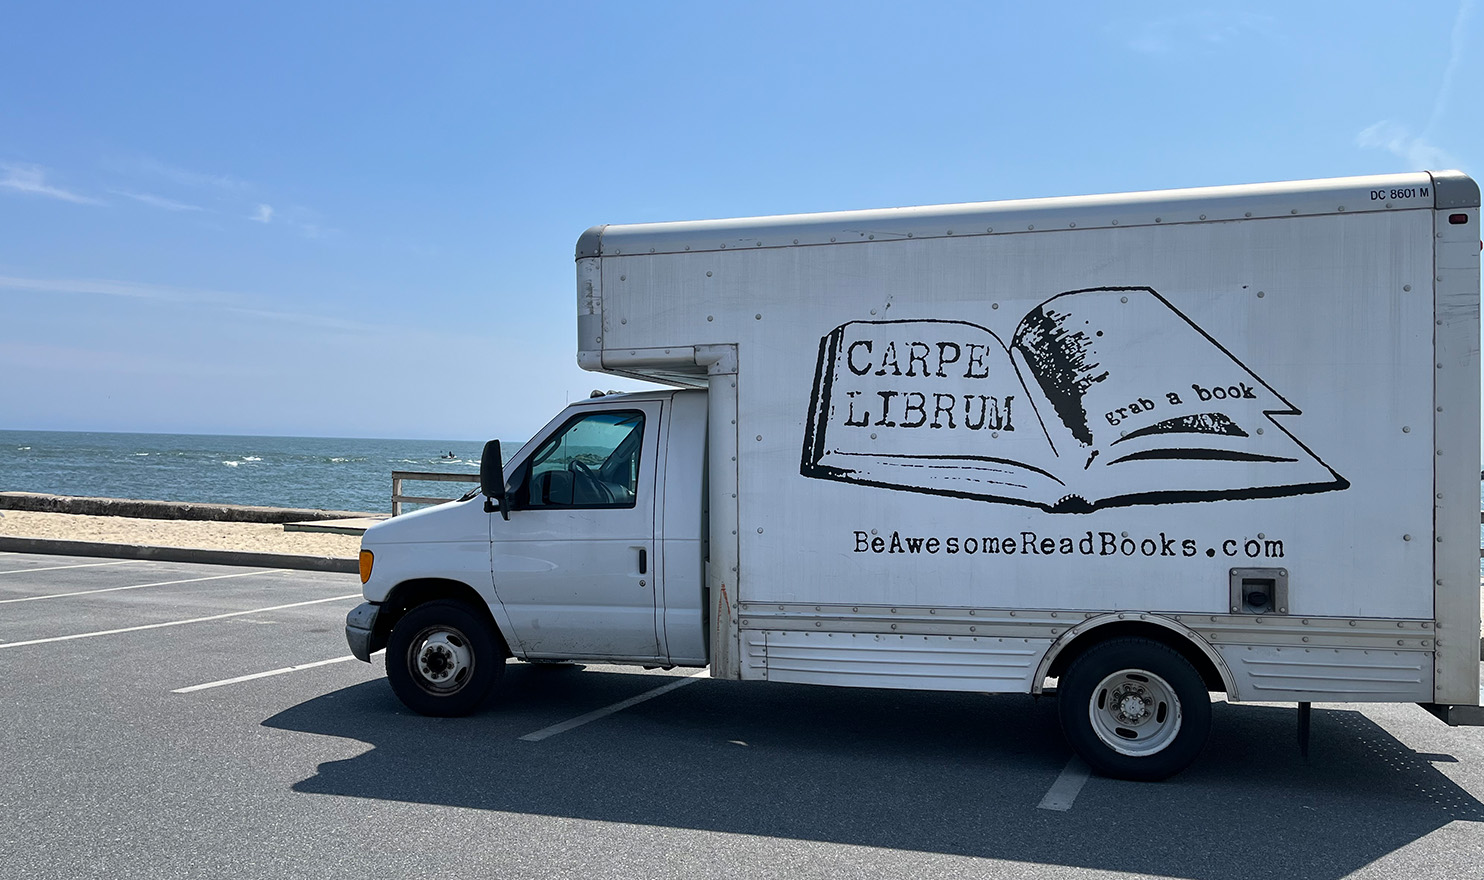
x=643 y=560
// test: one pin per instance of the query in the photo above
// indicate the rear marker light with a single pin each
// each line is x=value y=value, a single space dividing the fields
x=1458 y=219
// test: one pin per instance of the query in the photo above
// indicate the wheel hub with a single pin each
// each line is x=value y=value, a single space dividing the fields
x=443 y=658
x=437 y=662
x=1132 y=705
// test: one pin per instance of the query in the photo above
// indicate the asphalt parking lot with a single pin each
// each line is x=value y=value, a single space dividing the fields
x=165 y=720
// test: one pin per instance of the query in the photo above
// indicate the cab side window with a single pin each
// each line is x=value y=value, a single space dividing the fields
x=593 y=461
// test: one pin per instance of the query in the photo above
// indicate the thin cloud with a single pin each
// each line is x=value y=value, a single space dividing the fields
x=312 y=230
x=1200 y=28
x=183 y=176
x=308 y=223
x=319 y=322
x=155 y=201
x=95 y=362
x=31 y=179
x=235 y=303
x=303 y=221
x=1455 y=57
x=1419 y=151
x=126 y=289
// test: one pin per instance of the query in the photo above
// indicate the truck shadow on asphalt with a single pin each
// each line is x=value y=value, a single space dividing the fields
x=957 y=774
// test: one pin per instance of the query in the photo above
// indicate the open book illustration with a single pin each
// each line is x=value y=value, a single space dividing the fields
x=1105 y=397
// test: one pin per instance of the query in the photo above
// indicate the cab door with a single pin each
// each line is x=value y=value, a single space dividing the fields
x=574 y=566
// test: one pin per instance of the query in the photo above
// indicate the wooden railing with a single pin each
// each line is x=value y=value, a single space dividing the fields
x=398 y=499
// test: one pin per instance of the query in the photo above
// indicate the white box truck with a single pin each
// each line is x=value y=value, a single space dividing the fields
x=1134 y=448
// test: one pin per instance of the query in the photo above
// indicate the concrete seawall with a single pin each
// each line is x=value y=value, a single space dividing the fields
x=168 y=510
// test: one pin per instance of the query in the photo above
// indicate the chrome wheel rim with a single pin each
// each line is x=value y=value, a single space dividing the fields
x=440 y=660
x=1135 y=712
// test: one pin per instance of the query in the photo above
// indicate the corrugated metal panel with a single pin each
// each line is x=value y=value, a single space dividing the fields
x=927 y=662
x=1329 y=675
x=754 y=656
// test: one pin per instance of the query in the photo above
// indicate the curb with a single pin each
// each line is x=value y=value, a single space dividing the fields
x=178 y=554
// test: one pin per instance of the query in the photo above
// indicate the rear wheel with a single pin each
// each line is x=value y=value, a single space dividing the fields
x=1134 y=709
x=442 y=659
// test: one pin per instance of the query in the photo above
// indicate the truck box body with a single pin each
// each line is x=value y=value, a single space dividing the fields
x=967 y=434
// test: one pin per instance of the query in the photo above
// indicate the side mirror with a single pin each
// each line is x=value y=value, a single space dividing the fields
x=492 y=479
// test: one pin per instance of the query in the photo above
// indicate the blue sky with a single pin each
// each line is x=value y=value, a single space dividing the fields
x=358 y=219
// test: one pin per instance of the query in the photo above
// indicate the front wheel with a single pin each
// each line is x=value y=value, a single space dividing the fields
x=1134 y=709
x=442 y=659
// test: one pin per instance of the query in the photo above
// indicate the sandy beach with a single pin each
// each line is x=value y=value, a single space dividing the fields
x=210 y=535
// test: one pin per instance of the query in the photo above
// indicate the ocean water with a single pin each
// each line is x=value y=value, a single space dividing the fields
x=316 y=472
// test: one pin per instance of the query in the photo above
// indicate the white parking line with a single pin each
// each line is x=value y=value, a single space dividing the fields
x=215 y=577
x=128 y=629
x=241 y=678
x=580 y=720
x=1064 y=790
x=63 y=567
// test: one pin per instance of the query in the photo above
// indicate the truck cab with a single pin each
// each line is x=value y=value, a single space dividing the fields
x=594 y=552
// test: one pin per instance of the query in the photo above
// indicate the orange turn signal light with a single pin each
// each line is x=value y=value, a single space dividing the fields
x=366 y=561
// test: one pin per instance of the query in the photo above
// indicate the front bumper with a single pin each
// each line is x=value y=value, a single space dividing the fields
x=360 y=629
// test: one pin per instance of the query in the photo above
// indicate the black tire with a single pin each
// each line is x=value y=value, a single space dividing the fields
x=443 y=659
x=1134 y=709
